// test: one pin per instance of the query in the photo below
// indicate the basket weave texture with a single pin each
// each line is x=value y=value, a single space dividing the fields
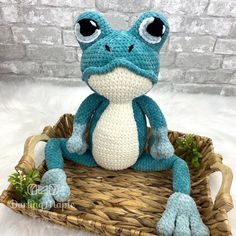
x=126 y=202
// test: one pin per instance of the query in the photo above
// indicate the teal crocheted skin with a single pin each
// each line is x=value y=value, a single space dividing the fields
x=121 y=67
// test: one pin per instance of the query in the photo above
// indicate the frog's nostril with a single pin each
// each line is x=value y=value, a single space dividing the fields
x=107 y=48
x=131 y=48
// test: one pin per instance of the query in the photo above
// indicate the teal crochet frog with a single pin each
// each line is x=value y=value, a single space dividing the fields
x=121 y=67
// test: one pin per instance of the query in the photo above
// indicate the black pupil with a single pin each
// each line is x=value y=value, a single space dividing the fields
x=87 y=27
x=155 y=28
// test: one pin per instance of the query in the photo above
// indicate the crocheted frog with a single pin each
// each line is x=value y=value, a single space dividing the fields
x=121 y=67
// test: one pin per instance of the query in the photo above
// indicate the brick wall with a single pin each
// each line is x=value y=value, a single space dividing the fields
x=37 y=42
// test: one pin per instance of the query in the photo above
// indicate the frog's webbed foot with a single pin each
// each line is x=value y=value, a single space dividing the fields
x=181 y=218
x=54 y=187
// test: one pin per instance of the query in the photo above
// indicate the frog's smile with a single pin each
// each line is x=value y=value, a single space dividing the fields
x=119 y=62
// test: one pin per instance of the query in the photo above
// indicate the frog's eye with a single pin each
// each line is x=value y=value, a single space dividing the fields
x=152 y=29
x=87 y=30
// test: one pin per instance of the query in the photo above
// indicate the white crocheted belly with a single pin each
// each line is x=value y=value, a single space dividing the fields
x=115 y=138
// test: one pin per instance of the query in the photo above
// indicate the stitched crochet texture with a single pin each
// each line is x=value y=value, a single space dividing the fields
x=121 y=67
x=55 y=188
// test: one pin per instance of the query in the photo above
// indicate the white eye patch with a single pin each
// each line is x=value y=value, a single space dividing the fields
x=152 y=29
x=87 y=30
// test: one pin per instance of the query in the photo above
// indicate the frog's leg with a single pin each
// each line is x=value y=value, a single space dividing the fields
x=56 y=150
x=53 y=183
x=181 y=179
x=181 y=216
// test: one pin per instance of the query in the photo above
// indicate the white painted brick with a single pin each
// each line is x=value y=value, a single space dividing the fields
x=183 y=6
x=233 y=30
x=70 y=3
x=52 y=69
x=225 y=46
x=28 y=2
x=9 y=1
x=48 y=16
x=19 y=67
x=229 y=63
x=207 y=25
x=1 y=19
x=233 y=79
x=204 y=76
x=117 y=20
x=123 y=5
x=167 y=74
x=176 y=23
x=51 y=53
x=222 y=8
x=15 y=78
x=37 y=35
x=198 y=88
x=5 y=34
x=69 y=38
x=167 y=59
x=201 y=44
x=229 y=90
x=11 y=51
x=198 y=60
x=11 y=13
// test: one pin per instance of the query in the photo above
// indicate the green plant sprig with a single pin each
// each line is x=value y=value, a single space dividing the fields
x=191 y=147
x=21 y=182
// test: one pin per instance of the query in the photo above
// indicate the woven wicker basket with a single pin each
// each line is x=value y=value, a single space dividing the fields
x=126 y=202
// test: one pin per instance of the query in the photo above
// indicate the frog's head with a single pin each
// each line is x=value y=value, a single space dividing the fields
x=120 y=65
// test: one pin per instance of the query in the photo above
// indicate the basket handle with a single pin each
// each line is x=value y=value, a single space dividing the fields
x=27 y=161
x=223 y=198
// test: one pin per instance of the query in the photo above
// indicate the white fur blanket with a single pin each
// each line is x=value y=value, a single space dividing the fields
x=25 y=108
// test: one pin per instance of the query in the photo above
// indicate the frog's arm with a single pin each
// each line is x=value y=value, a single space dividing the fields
x=76 y=142
x=86 y=109
x=160 y=144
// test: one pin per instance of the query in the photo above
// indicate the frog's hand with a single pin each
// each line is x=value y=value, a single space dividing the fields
x=181 y=218
x=161 y=146
x=54 y=188
x=77 y=143
x=160 y=143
